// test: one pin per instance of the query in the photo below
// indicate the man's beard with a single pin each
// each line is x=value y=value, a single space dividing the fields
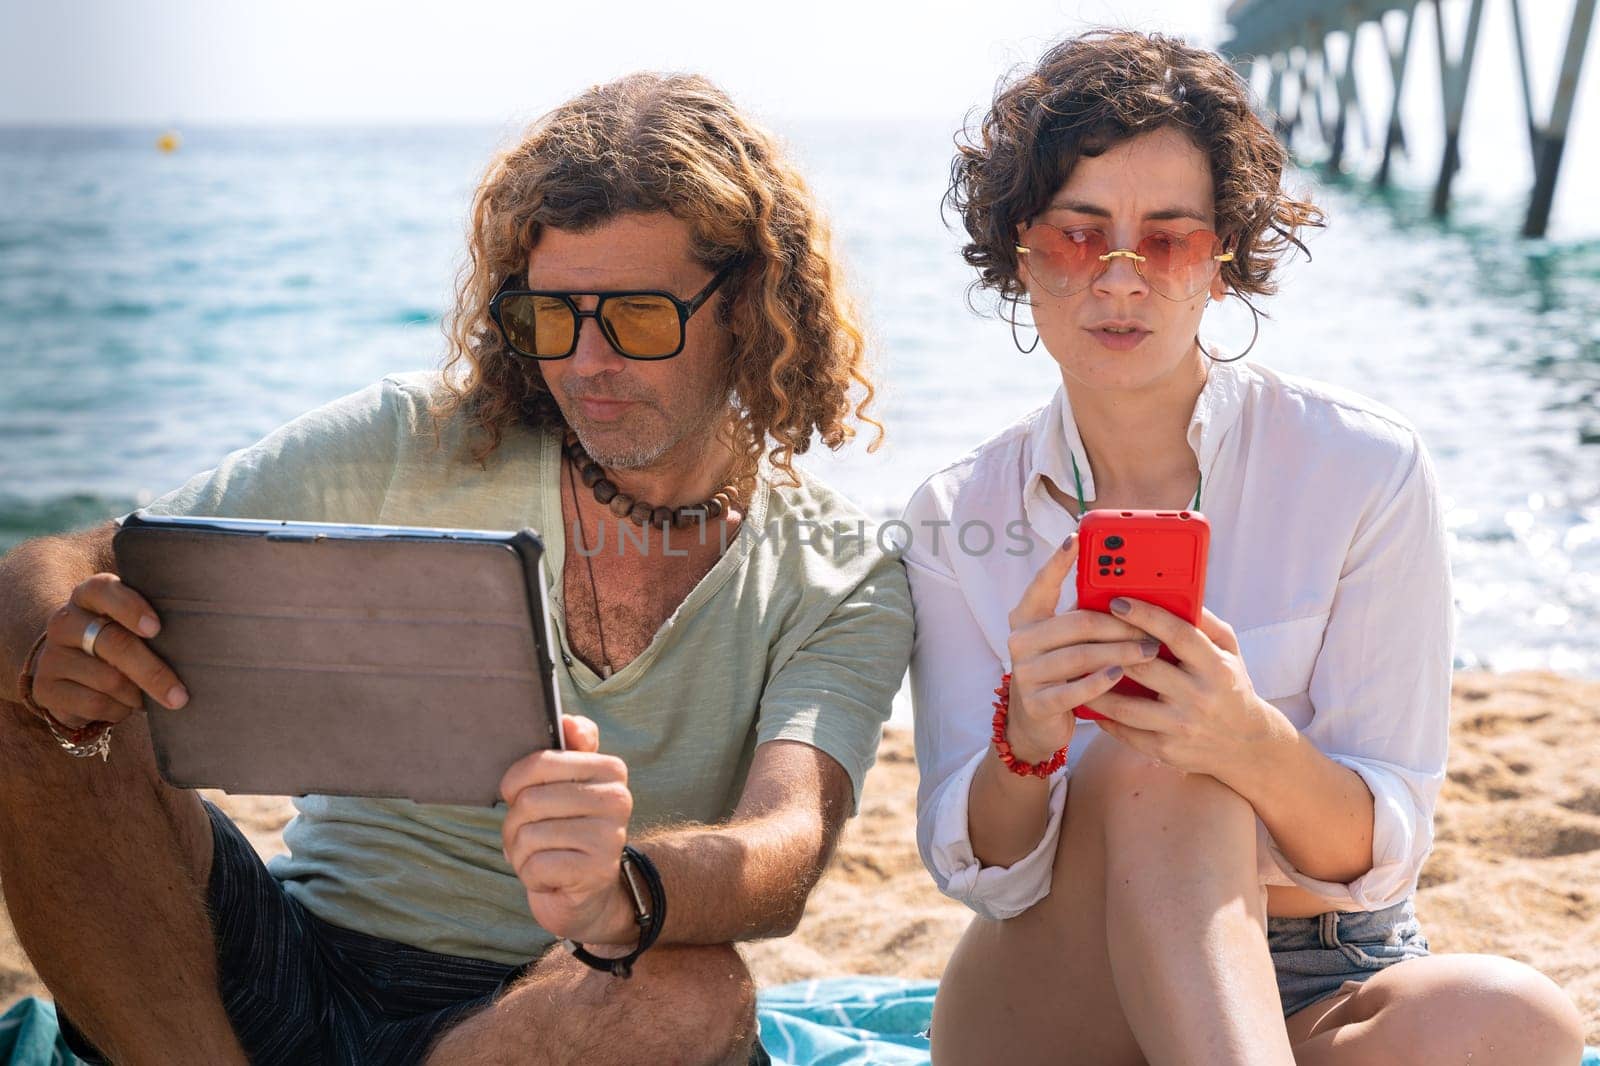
x=638 y=453
x=641 y=454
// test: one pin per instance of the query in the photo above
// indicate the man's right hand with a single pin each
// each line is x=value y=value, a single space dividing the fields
x=78 y=688
x=1060 y=661
x=566 y=821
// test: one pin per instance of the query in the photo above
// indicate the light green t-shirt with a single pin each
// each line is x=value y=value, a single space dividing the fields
x=798 y=632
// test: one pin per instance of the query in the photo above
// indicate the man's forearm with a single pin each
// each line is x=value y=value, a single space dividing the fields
x=743 y=880
x=36 y=578
x=1318 y=812
x=740 y=881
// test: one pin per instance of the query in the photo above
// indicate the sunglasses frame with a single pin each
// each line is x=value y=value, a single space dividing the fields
x=685 y=308
x=1130 y=254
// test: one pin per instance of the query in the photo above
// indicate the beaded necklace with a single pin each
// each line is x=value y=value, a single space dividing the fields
x=638 y=511
x=641 y=513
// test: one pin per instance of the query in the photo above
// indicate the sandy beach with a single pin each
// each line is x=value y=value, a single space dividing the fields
x=1515 y=870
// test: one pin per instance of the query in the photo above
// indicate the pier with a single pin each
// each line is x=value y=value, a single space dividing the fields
x=1312 y=45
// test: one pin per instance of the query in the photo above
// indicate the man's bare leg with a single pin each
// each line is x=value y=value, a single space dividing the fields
x=104 y=868
x=683 y=1006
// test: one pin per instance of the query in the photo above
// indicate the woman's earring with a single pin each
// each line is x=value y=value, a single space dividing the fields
x=1255 y=332
x=1012 y=317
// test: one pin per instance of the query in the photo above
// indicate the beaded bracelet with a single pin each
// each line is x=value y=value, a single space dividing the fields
x=1002 y=709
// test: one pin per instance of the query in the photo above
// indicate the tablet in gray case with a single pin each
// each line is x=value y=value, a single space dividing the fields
x=349 y=660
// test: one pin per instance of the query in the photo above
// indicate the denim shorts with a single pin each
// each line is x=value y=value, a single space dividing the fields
x=1315 y=956
x=300 y=991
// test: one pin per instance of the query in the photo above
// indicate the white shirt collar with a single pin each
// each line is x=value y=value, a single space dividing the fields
x=1056 y=443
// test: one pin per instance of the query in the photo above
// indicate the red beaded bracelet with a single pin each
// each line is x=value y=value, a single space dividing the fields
x=1002 y=709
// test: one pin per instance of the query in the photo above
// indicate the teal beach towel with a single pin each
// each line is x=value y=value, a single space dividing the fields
x=29 y=1036
x=856 y=1021
x=848 y=1021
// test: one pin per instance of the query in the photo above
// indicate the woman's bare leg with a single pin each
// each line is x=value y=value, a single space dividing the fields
x=1037 y=988
x=1151 y=944
x=1443 y=1010
x=1186 y=919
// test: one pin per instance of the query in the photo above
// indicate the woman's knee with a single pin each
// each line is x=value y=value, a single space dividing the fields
x=1113 y=777
x=1496 y=1009
x=1528 y=1010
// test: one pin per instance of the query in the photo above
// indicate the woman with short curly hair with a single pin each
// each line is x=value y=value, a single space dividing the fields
x=1216 y=864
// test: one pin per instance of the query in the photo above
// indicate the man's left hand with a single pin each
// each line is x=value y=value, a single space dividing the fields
x=565 y=824
x=1207 y=717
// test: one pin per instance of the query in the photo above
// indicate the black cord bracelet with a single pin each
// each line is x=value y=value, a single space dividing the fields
x=649 y=910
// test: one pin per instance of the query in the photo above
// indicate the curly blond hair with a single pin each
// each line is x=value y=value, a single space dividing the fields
x=675 y=143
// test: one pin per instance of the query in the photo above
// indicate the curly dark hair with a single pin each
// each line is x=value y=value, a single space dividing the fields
x=676 y=143
x=1087 y=94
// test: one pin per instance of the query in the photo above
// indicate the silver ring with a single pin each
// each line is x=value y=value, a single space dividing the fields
x=91 y=633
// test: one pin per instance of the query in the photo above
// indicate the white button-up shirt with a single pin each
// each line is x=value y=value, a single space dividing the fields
x=1328 y=557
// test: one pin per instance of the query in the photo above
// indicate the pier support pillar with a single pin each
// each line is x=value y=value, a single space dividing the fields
x=1553 y=139
x=1456 y=76
x=1399 y=60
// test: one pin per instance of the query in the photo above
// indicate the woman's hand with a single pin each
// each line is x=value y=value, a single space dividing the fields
x=1059 y=661
x=1207 y=717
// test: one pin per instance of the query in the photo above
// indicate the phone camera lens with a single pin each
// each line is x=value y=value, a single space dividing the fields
x=1120 y=560
x=1104 y=572
x=1105 y=560
x=1114 y=543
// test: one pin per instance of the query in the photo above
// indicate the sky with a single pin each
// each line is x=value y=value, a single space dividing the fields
x=502 y=63
x=176 y=62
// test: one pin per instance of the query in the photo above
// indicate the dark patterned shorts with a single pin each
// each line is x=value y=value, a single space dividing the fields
x=1315 y=956
x=300 y=990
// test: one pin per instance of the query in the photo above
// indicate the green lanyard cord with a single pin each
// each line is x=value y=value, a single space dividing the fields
x=1077 y=480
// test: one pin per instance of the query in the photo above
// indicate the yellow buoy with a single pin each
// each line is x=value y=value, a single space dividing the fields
x=169 y=141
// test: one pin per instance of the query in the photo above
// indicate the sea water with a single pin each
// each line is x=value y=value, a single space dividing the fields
x=160 y=310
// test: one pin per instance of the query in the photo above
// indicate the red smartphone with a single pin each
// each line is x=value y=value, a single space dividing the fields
x=1155 y=556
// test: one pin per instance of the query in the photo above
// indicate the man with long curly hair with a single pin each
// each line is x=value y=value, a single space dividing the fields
x=649 y=327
